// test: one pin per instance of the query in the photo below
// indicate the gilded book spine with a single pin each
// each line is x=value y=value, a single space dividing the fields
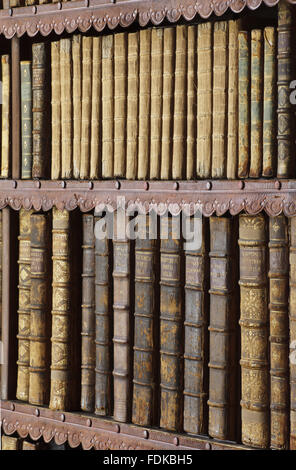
x=156 y=101
x=66 y=106
x=169 y=41
x=222 y=365
x=144 y=336
x=179 y=135
x=5 y=140
x=120 y=85
x=26 y=117
x=88 y=358
x=77 y=98
x=191 y=101
x=254 y=331
x=269 y=103
x=107 y=106
x=243 y=104
x=279 y=331
x=56 y=111
x=171 y=364
x=220 y=83
x=292 y=330
x=10 y=443
x=39 y=321
x=144 y=103
x=256 y=103
x=30 y=446
x=61 y=314
x=86 y=105
x=132 y=106
x=24 y=287
x=196 y=337
x=103 y=307
x=95 y=144
x=204 y=100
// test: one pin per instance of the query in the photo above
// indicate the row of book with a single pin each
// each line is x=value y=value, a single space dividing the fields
x=16 y=443
x=153 y=333
x=22 y=3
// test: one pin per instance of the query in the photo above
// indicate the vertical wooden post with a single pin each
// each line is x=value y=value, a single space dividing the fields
x=16 y=108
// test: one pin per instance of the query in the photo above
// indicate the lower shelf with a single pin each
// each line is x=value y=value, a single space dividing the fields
x=94 y=432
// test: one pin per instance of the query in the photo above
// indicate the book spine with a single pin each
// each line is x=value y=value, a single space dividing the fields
x=120 y=87
x=107 y=105
x=204 y=100
x=220 y=84
x=86 y=105
x=5 y=140
x=292 y=331
x=77 y=100
x=169 y=42
x=61 y=314
x=286 y=68
x=179 y=135
x=30 y=446
x=88 y=359
x=10 y=443
x=269 y=103
x=279 y=331
x=232 y=127
x=66 y=107
x=24 y=287
x=56 y=111
x=171 y=351
x=103 y=311
x=26 y=117
x=256 y=103
x=1 y=277
x=254 y=331
x=191 y=101
x=96 y=131
x=156 y=101
x=243 y=104
x=144 y=103
x=39 y=320
x=222 y=365
x=132 y=105
x=145 y=322
x=196 y=337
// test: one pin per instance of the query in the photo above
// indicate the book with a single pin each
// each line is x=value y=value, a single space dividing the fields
x=96 y=111
x=107 y=105
x=26 y=118
x=66 y=108
x=56 y=163
x=24 y=306
x=243 y=104
x=1 y=277
x=204 y=100
x=120 y=88
x=195 y=420
x=292 y=333
x=88 y=358
x=5 y=136
x=254 y=331
x=145 y=341
x=279 y=331
x=144 y=103
x=191 y=101
x=169 y=43
x=269 y=103
x=132 y=105
x=10 y=443
x=77 y=101
x=222 y=328
x=86 y=106
x=179 y=131
x=220 y=85
x=171 y=350
x=156 y=101
x=40 y=312
x=26 y=445
x=256 y=156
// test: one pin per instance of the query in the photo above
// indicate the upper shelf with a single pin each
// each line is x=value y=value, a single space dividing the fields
x=82 y=15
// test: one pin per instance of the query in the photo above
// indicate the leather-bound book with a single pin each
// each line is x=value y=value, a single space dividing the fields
x=96 y=110
x=26 y=117
x=220 y=85
x=243 y=104
x=269 y=103
x=86 y=105
x=144 y=103
x=132 y=105
x=292 y=331
x=257 y=48
x=223 y=320
x=120 y=87
x=107 y=105
x=56 y=163
x=103 y=312
x=144 y=387
x=196 y=336
x=24 y=309
x=279 y=331
x=6 y=113
x=156 y=101
x=88 y=359
x=254 y=331
x=77 y=98
x=191 y=101
x=10 y=443
x=40 y=312
x=66 y=107
x=171 y=334
x=26 y=445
